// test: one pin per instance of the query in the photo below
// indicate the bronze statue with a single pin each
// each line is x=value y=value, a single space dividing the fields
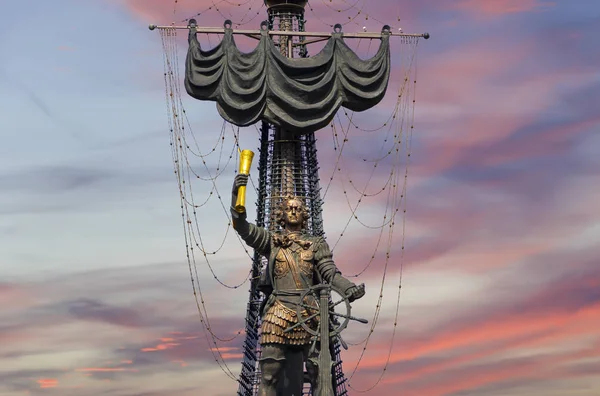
x=296 y=261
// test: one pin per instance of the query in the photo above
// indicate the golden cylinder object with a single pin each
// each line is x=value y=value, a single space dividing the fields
x=245 y=163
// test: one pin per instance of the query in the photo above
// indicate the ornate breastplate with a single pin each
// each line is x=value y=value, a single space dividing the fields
x=281 y=266
x=296 y=256
x=306 y=262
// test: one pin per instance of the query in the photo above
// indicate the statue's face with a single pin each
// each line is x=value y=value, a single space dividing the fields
x=293 y=212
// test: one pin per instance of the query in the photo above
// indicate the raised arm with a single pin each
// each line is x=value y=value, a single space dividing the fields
x=256 y=237
x=330 y=273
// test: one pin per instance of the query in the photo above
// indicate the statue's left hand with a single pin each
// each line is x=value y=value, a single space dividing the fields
x=356 y=292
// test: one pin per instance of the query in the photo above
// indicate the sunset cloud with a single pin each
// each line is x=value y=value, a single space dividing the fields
x=495 y=339
x=501 y=7
x=47 y=383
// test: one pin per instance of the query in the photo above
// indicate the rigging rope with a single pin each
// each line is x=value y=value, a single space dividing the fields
x=401 y=200
x=347 y=18
x=182 y=167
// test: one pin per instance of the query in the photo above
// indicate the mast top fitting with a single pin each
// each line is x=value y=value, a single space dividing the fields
x=283 y=4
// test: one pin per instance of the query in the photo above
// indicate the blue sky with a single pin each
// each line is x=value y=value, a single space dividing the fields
x=500 y=288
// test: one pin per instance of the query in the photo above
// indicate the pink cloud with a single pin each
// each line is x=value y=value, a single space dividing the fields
x=161 y=12
x=155 y=10
x=46 y=383
x=15 y=296
x=224 y=349
x=499 y=7
x=469 y=111
x=544 y=369
x=161 y=347
x=454 y=232
x=480 y=334
x=554 y=143
x=456 y=350
x=467 y=108
x=232 y=356
x=104 y=369
x=180 y=362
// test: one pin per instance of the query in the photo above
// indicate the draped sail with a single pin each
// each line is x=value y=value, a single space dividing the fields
x=297 y=94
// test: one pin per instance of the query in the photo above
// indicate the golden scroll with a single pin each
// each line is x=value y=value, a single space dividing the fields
x=245 y=163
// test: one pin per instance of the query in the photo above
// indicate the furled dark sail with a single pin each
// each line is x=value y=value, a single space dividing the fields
x=298 y=94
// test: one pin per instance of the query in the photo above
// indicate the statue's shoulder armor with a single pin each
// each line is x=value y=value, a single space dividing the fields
x=275 y=237
x=316 y=240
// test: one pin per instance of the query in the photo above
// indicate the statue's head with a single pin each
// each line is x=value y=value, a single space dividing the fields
x=292 y=213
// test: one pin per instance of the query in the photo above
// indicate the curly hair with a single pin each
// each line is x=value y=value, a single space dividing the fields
x=279 y=213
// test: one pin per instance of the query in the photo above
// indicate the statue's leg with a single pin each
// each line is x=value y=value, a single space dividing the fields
x=312 y=367
x=294 y=371
x=271 y=363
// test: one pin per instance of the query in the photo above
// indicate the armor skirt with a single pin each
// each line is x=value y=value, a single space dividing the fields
x=278 y=318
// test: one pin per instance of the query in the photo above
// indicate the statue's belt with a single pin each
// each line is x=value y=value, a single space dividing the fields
x=288 y=292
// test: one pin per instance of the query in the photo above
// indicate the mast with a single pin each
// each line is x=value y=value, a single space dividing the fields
x=287 y=166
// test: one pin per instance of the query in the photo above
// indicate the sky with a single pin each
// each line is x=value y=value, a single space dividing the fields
x=501 y=271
